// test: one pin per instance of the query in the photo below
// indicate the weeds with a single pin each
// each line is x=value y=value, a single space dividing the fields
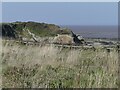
x=53 y=67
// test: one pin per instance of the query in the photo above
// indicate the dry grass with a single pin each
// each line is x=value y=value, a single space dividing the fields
x=50 y=66
x=0 y=63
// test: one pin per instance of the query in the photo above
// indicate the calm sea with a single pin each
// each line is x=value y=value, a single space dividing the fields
x=94 y=31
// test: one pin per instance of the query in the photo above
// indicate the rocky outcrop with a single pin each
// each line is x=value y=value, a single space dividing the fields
x=77 y=39
x=17 y=29
x=33 y=31
x=8 y=31
x=63 y=39
x=32 y=35
x=72 y=39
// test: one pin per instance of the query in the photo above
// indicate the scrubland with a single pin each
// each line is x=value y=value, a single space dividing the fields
x=58 y=67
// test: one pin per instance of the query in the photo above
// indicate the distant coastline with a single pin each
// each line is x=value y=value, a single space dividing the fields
x=102 y=32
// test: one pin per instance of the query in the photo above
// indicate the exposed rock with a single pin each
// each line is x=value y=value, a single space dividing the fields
x=8 y=31
x=36 y=29
x=63 y=39
x=69 y=39
x=33 y=31
x=33 y=36
x=80 y=37
x=77 y=40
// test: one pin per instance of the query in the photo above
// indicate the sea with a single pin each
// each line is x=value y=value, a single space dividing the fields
x=107 y=32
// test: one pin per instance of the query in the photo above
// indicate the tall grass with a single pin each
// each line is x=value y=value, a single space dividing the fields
x=53 y=67
x=0 y=62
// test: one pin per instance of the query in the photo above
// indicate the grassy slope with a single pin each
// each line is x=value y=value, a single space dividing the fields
x=39 y=29
x=49 y=66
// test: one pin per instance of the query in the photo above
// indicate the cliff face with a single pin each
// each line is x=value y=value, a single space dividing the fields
x=8 y=31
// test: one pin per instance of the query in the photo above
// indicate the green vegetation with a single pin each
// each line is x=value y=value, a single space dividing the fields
x=50 y=66
x=17 y=29
x=53 y=66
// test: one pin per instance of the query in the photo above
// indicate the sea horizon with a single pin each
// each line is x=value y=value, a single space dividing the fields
x=91 y=31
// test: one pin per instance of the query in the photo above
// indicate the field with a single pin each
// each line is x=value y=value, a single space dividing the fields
x=58 y=67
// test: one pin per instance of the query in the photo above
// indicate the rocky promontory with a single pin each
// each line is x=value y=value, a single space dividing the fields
x=39 y=32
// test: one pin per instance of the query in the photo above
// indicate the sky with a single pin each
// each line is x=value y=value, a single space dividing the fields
x=60 y=0
x=62 y=13
x=1 y=12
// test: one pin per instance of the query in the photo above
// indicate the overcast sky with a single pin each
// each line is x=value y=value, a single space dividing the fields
x=61 y=13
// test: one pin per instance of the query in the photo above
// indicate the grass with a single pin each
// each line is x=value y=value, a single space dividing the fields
x=17 y=29
x=0 y=63
x=53 y=67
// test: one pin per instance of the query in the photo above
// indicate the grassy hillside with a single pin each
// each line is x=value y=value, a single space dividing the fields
x=19 y=29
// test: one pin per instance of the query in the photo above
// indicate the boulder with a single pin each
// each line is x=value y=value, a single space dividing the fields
x=63 y=39
x=72 y=39
x=78 y=40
